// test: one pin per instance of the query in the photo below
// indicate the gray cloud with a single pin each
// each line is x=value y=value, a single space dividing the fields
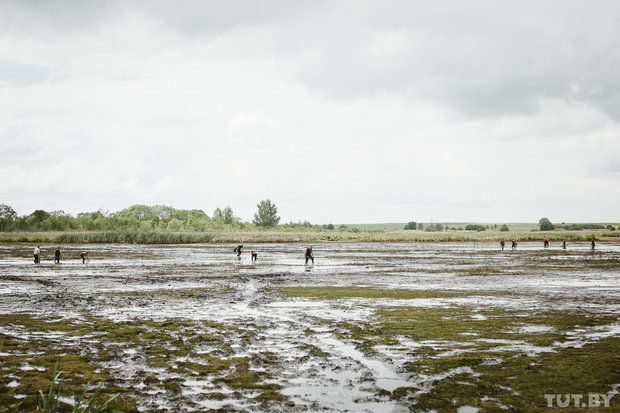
x=481 y=58
x=13 y=73
x=337 y=110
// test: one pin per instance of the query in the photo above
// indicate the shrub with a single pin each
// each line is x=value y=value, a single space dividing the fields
x=411 y=225
x=545 y=224
x=504 y=228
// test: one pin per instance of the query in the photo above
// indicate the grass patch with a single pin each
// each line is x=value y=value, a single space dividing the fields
x=368 y=292
x=183 y=293
x=454 y=323
x=520 y=382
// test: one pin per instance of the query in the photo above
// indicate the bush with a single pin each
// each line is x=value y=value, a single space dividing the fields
x=475 y=227
x=545 y=224
x=412 y=225
x=504 y=228
x=434 y=228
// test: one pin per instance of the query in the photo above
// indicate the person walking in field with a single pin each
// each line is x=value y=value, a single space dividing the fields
x=37 y=254
x=84 y=256
x=546 y=242
x=564 y=244
x=57 y=256
x=254 y=255
x=502 y=243
x=593 y=244
x=309 y=255
x=238 y=250
x=514 y=245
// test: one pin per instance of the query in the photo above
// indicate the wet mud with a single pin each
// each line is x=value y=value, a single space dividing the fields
x=370 y=327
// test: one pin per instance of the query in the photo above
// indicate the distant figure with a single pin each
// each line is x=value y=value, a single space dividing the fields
x=514 y=245
x=563 y=245
x=309 y=254
x=37 y=254
x=84 y=256
x=57 y=256
x=238 y=250
x=502 y=243
x=546 y=242
x=254 y=255
x=593 y=244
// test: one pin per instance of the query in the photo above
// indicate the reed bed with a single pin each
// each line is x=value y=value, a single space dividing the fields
x=138 y=237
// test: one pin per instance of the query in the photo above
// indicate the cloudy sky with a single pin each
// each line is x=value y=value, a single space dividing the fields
x=338 y=111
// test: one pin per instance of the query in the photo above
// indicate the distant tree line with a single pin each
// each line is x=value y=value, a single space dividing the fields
x=437 y=227
x=546 y=225
x=156 y=218
x=136 y=218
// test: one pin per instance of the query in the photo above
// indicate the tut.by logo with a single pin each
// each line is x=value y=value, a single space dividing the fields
x=578 y=400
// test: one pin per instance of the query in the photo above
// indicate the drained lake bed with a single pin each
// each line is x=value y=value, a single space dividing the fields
x=369 y=327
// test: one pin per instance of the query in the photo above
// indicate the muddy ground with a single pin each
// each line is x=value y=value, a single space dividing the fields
x=369 y=327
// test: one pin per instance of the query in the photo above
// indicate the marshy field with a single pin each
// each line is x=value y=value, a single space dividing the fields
x=375 y=326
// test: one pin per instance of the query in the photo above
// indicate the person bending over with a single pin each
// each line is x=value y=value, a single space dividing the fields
x=309 y=254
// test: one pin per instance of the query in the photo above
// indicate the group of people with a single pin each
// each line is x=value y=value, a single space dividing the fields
x=57 y=255
x=502 y=244
x=239 y=248
x=309 y=255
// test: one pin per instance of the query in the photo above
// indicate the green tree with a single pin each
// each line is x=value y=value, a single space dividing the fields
x=225 y=215
x=504 y=228
x=411 y=225
x=139 y=212
x=267 y=214
x=36 y=219
x=228 y=215
x=175 y=225
x=545 y=224
x=475 y=227
x=7 y=216
x=434 y=228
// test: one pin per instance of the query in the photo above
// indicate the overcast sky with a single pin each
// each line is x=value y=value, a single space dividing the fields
x=337 y=111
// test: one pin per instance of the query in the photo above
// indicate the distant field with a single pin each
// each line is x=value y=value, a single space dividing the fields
x=513 y=226
x=397 y=226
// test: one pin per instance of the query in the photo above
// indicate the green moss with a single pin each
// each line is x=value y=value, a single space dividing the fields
x=31 y=323
x=452 y=323
x=520 y=382
x=211 y=365
x=313 y=351
x=183 y=293
x=244 y=378
x=368 y=292
x=270 y=395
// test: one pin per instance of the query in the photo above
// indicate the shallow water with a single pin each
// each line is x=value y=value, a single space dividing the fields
x=319 y=371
